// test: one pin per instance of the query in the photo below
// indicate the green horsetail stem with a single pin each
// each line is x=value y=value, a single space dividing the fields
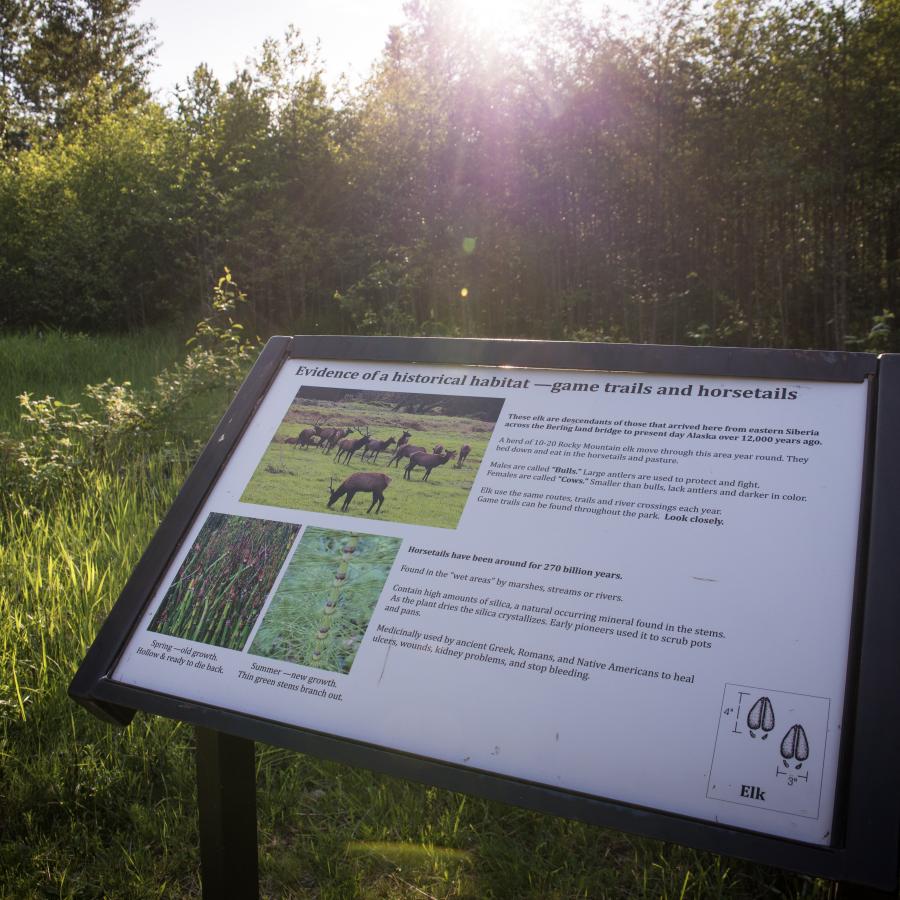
x=324 y=603
x=348 y=548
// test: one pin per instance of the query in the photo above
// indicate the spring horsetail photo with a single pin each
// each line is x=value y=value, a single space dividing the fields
x=222 y=584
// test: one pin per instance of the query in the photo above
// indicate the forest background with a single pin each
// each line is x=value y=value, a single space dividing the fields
x=726 y=175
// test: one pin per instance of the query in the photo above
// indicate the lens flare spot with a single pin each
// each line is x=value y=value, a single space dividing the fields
x=464 y=293
x=469 y=244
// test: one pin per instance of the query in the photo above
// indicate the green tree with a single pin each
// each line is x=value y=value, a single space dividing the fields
x=65 y=62
x=17 y=22
x=87 y=231
x=262 y=170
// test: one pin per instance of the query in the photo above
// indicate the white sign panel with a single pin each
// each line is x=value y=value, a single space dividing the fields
x=637 y=587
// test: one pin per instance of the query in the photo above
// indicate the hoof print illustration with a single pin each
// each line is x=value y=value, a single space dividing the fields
x=761 y=717
x=794 y=745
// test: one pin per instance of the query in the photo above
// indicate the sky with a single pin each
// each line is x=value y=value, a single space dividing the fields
x=224 y=33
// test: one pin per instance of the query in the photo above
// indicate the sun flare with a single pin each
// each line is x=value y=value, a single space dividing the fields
x=510 y=20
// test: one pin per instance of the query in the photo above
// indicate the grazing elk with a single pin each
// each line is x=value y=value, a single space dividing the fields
x=428 y=461
x=437 y=448
x=404 y=452
x=331 y=436
x=464 y=451
x=348 y=446
x=374 y=483
x=308 y=435
x=307 y=438
x=373 y=448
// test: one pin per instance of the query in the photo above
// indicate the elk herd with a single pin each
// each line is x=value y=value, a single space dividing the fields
x=350 y=441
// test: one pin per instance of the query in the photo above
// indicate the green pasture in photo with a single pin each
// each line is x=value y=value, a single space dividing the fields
x=299 y=478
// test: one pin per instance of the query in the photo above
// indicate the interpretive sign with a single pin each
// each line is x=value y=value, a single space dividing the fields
x=634 y=582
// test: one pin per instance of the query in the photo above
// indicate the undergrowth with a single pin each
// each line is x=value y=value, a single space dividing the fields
x=59 y=438
x=61 y=364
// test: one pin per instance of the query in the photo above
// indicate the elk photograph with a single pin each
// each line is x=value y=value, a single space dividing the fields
x=406 y=457
x=322 y=607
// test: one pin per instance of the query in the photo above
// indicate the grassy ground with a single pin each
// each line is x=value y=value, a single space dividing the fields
x=89 y=810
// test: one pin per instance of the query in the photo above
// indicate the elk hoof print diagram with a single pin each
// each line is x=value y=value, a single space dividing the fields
x=749 y=770
x=795 y=745
x=761 y=717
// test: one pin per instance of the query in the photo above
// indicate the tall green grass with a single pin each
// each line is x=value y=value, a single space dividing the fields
x=89 y=811
x=62 y=364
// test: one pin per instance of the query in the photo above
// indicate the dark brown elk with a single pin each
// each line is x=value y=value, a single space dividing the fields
x=374 y=483
x=373 y=448
x=403 y=452
x=464 y=451
x=308 y=435
x=348 y=446
x=331 y=436
x=401 y=445
x=437 y=448
x=428 y=461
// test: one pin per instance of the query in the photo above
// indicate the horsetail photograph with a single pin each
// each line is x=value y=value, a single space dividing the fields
x=220 y=589
x=406 y=457
x=323 y=604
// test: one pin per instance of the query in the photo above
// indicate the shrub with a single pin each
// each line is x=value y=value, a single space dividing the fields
x=63 y=436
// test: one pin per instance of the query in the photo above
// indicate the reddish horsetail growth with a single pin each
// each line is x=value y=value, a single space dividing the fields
x=322 y=607
x=221 y=586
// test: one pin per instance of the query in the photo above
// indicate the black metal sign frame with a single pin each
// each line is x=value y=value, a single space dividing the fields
x=864 y=847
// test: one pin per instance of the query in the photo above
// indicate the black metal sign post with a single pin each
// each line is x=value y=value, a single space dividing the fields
x=861 y=849
x=226 y=802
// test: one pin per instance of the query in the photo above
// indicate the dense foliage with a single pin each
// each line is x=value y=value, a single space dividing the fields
x=725 y=176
